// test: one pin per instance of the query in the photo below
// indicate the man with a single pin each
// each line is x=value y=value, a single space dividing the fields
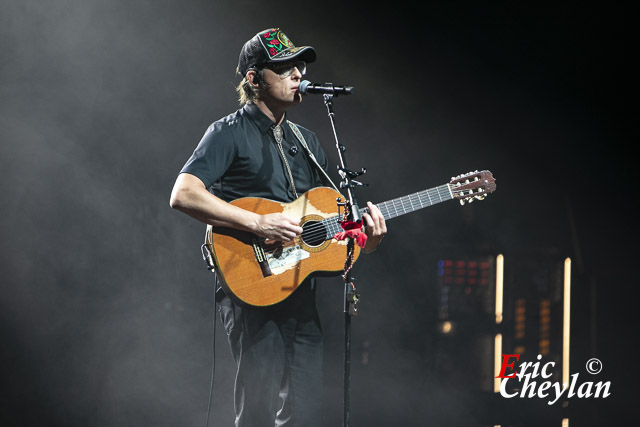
x=256 y=152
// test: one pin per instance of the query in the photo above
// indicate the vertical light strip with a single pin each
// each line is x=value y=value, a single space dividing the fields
x=497 y=351
x=499 y=287
x=497 y=345
x=565 y=422
x=566 y=322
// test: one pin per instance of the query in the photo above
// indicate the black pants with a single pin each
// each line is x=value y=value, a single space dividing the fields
x=278 y=353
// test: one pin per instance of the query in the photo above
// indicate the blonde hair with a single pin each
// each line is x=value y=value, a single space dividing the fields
x=247 y=93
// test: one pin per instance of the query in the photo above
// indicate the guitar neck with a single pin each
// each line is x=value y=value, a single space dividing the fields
x=413 y=202
x=400 y=206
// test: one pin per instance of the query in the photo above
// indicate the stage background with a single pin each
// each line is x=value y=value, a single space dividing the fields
x=106 y=308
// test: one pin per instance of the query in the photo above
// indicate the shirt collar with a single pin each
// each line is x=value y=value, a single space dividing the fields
x=261 y=120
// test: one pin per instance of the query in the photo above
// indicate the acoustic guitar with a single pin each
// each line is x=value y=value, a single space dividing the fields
x=261 y=274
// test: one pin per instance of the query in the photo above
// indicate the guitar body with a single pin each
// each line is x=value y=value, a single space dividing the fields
x=258 y=274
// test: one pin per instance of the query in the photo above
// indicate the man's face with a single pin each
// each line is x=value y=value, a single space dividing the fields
x=282 y=80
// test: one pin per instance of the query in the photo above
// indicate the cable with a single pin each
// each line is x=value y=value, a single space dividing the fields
x=206 y=255
x=213 y=354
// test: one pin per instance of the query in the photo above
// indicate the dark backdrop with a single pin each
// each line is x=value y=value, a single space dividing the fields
x=106 y=306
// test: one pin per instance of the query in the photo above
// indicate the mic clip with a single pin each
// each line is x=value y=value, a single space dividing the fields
x=347 y=175
x=353 y=183
x=343 y=172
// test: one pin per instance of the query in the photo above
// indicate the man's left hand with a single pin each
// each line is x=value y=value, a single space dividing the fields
x=375 y=227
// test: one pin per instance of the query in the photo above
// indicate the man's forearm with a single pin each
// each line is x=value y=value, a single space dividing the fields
x=191 y=197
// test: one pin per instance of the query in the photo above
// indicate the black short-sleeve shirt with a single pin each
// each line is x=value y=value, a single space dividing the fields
x=238 y=157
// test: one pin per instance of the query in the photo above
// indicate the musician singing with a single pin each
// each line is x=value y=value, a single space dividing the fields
x=257 y=152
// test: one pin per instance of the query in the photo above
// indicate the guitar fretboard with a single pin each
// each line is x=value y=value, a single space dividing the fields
x=400 y=206
x=413 y=202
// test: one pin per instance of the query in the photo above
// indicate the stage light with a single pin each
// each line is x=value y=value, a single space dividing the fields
x=499 y=287
x=566 y=322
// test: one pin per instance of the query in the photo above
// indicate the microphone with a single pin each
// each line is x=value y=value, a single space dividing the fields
x=306 y=88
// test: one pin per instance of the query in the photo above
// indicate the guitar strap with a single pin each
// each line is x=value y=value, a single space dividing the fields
x=298 y=134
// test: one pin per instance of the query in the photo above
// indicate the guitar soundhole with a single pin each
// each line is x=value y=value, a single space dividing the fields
x=313 y=233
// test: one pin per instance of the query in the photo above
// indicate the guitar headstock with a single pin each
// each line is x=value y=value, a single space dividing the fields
x=473 y=185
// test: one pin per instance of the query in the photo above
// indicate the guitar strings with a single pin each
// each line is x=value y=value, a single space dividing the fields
x=328 y=227
x=414 y=201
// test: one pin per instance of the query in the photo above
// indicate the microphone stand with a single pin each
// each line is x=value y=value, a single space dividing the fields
x=351 y=296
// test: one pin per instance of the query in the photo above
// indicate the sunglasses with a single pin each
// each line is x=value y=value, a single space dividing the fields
x=285 y=69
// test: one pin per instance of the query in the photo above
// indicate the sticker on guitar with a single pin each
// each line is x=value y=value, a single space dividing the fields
x=288 y=258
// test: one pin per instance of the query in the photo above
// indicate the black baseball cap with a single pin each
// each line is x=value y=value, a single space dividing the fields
x=271 y=45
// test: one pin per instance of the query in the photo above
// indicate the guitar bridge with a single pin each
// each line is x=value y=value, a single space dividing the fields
x=261 y=257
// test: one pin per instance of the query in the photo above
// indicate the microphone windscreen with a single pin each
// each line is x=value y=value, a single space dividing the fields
x=303 y=86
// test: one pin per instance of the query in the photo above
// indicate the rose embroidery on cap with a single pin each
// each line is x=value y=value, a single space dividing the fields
x=275 y=41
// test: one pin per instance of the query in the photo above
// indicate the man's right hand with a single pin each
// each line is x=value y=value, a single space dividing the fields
x=277 y=226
